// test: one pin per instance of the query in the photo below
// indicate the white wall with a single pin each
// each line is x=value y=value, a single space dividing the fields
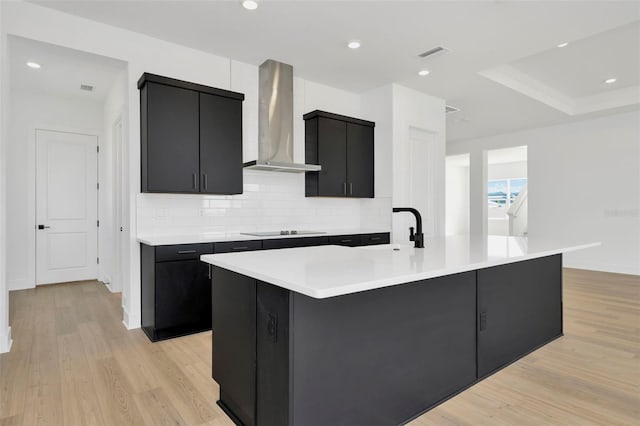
x=584 y=185
x=115 y=107
x=5 y=330
x=377 y=106
x=516 y=169
x=26 y=112
x=456 y=197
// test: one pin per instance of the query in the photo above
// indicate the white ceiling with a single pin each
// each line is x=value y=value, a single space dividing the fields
x=63 y=70
x=580 y=68
x=482 y=36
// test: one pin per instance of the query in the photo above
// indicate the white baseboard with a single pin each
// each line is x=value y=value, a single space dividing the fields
x=21 y=284
x=109 y=287
x=104 y=277
x=131 y=320
x=5 y=341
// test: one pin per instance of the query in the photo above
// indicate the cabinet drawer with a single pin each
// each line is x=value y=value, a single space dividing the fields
x=373 y=239
x=233 y=246
x=294 y=242
x=345 y=240
x=182 y=251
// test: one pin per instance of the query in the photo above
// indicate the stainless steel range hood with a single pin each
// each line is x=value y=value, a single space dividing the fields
x=275 y=121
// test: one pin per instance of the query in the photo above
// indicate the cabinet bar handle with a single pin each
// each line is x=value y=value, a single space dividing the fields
x=345 y=241
x=240 y=248
x=344 y=188
x=186 y=251
x=205 y=181
x=350 y=188
x=375 y=238
x=195 y=180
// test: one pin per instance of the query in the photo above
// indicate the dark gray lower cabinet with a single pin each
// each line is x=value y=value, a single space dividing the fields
x=372 y=358
x=519 y=309
x=360 y=239
x=234 y=320
x=378 y=357
x=175 y=290
x=176 y=286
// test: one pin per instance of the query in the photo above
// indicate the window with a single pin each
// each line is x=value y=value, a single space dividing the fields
x=502 y=193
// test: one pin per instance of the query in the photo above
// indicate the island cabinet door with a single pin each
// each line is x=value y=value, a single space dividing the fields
x=519 y=309
x=380 y=357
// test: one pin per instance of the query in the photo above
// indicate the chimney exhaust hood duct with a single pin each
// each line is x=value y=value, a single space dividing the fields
x=275 y=121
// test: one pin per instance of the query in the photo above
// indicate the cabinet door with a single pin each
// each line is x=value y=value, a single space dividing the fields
x=346 y=240
x=519 y=309
x=332 y=150
x=360 y=177
x=172 y=139
x=220 y=145
x=183 y=295
x=234 y=342
x=294 y=242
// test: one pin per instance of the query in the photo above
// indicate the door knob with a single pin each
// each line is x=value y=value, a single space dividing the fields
x=43 y=227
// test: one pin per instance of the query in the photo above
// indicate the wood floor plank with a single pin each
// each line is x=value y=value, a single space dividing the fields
x=157 y=409
x=116 y=395
x=44 y=397
x=74 y=363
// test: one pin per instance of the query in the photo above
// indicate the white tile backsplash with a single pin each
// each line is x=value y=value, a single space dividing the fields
x=271 y=201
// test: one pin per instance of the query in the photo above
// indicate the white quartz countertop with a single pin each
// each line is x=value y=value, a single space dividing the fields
x=328 y=271
x=203 y=237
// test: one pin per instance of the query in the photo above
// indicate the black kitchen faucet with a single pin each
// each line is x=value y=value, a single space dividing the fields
x=418 y=237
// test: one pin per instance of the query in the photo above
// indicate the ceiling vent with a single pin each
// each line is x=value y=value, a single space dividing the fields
x=86 y=88
x=432 y=53
x=449 y=109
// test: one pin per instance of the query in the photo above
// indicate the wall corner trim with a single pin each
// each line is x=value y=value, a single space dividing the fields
x=5 y=341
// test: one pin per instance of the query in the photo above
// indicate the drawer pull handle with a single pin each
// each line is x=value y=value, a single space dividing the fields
x=375 y=238
x=186 y=251
x=240 y=248
x=345 y=241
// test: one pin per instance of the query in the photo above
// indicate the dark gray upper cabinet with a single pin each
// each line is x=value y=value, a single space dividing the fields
x=360 y=175
x=191 y=137
x=220 y=145
x=343 y=146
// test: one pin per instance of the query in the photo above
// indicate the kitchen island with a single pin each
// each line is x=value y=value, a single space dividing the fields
x=376 y=335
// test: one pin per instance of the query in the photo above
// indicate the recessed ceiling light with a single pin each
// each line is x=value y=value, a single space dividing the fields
x=250 y=4
x=422 y=73
x=354 y=44
x=563 y=44
x=611 y=80
x=34 y=65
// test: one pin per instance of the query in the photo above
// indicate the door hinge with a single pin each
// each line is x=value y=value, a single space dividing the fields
x=98 y=223
x=98 y=185
x=98 y=148
x=98 y=260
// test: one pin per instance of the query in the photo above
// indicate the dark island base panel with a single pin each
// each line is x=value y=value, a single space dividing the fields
x=156 y=335
x=379 y=357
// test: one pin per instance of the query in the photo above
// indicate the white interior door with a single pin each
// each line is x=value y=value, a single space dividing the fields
x=66 y=207
x=418 y=179
x=421 y=183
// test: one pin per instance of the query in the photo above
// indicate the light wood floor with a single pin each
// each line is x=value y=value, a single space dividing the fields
x=73 y=363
